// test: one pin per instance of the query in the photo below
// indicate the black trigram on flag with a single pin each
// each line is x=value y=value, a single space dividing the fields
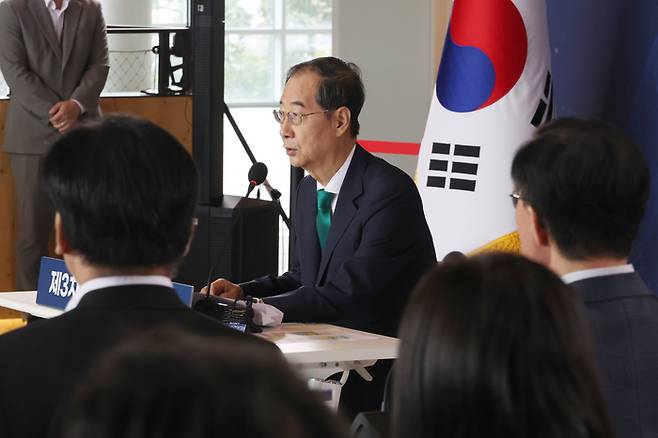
x=458 y=171
x=545 y=107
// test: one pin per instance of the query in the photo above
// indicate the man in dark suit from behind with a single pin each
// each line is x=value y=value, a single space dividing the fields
x=124 y=192
x=580 y=192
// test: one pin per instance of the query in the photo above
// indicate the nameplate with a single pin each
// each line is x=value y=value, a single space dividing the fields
x=56 y=286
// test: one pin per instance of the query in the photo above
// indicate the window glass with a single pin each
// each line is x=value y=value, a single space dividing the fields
x=249 y=68
x=251 y=14
x=264 y=38
x=302 y=47
x=308 y=14
x=168 y=12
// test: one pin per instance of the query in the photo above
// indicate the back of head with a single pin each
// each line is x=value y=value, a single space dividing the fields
x=340 y=85
x=496 y=346
x=179 y=385
x=126 y=192
x=588 y=184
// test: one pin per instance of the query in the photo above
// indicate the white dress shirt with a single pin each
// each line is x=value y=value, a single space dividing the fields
x=112 y=281
x=336 y=181
x=572 y=277
x=57 y=15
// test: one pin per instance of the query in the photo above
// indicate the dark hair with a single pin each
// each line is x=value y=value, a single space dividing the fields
x=179 y=385
x=340 y=85
x=588 y=183
x=126 y=191
x=496 y=346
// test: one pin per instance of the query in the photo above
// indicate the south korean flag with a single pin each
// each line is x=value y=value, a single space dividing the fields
x=493 y=89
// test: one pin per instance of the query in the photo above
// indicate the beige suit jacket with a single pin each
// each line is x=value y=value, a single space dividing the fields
x=40 y=71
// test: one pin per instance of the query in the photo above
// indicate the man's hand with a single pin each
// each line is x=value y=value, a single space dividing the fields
x=225 y=289
x=64 y=115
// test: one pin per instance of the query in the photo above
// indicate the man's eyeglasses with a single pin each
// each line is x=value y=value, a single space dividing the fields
x=515 y=198
x=293 y=118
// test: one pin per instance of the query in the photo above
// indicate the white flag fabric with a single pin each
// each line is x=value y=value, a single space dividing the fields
x=493 y=89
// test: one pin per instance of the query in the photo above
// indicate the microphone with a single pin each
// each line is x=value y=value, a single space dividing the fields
x=257 y=175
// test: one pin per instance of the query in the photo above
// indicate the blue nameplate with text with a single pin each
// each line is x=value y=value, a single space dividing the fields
x=56 y=286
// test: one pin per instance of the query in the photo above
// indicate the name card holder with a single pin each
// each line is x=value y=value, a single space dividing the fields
x=56 y=285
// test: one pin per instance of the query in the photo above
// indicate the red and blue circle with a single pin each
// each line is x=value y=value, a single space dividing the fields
x=484 y=54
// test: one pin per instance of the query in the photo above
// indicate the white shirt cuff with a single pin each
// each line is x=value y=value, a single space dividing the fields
x=82 y=108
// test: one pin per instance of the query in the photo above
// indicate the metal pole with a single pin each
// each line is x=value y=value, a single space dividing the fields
x=163 y=63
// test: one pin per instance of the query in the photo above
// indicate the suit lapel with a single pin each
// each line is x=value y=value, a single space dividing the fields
x=346 y=208
x=41 y=14
x=71 y=20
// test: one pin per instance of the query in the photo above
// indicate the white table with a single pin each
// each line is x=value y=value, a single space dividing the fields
x=317 y=351
x=320 y=350
x=26 y=302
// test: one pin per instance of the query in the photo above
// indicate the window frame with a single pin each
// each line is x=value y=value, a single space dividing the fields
x=279 y=34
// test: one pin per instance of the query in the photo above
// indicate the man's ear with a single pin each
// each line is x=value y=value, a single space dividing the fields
x=62 y=245
x=539 y=231
x=342 y=118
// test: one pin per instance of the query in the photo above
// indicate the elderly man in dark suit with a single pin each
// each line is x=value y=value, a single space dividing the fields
x=362 y=241
x=53 y=55
x=124 y=192
x=580 y=192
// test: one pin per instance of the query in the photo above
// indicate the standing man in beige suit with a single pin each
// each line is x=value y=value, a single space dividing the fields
x=53 y=55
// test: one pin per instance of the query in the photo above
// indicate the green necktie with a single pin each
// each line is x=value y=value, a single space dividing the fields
x=323 y=219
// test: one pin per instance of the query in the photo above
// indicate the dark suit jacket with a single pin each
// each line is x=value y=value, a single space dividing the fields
x=40 y=71
x=624 y=319
x=41 y=363
x=378 y=247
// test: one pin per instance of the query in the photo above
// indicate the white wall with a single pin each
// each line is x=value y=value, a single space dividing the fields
x=127 y=11
x=393 y=42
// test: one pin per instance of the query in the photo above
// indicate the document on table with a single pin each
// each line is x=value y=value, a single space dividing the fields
x=314 y=332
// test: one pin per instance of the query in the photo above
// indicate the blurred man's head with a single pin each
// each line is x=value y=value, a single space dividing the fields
x=319 y=113
x=124 y=192
x=169 y=383
x=581 y=187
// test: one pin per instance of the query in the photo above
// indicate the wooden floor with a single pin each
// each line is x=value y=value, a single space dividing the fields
x=172 y=113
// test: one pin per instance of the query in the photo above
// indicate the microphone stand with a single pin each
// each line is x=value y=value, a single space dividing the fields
x=274 y=193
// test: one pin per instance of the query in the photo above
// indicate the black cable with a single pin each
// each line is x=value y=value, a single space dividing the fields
x=274 y=194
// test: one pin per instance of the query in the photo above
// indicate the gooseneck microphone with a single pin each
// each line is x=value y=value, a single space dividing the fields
x=257 y=175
